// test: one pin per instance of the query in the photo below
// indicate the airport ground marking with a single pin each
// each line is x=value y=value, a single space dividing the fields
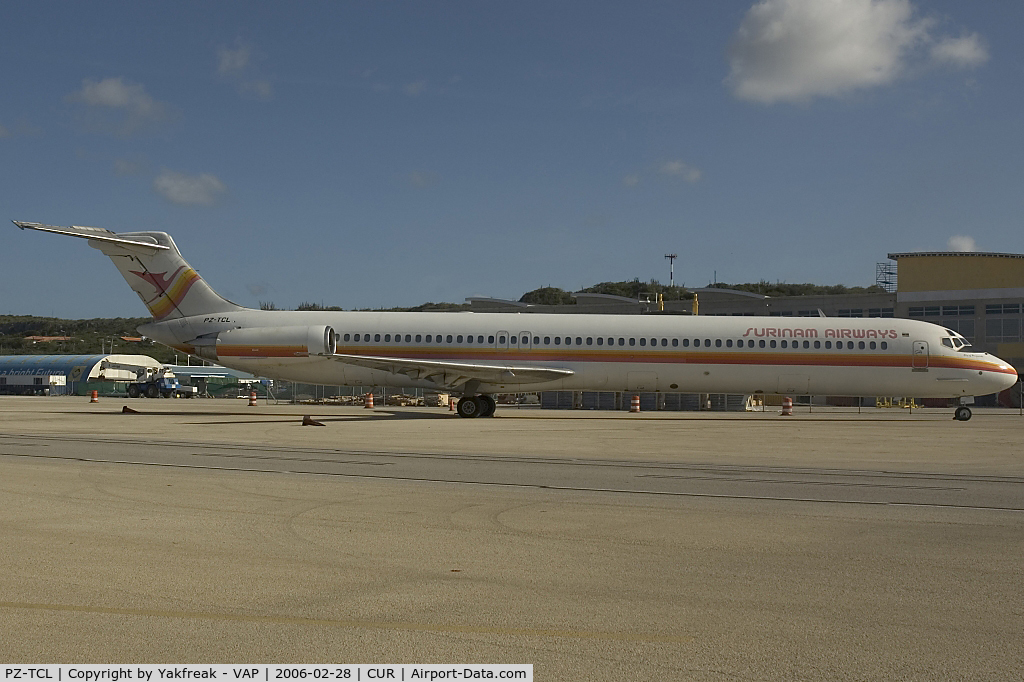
x=533 y=486
x=356 y=624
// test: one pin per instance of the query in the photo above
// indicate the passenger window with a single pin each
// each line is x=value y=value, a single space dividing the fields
x=448 y=339
x=600 y=340
x=429 y=337
x=469 y=339
x=387 y=337
x=884 y=345
x=568 y=340
x=547 y=340
x=872 y=345
x=707 y=343
x=632 y=342
x=696 y=343
x=686 y=343
x=356 y=337
x=558 y=340
x=718 y=343
x=490 y=339
x=860 y=345
x=419 y=338
x=772 y=343
x=817 y=344
x=675 y=342
x=501 y=340
x=536 y=340
x=828 y=344
x=807 y=344
x=643 y=342
x=761 y=343
x=346 y=337
x=785 y=344
x=664 y=342
x=579 y=340
x=376 y=337
x=622 y=341
x=654 y=342
x=611 y=342
x=728 y=343
x=590 y=341
x=408 y=338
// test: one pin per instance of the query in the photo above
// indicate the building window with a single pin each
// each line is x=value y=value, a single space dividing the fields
x=964 y=326
x=1002 y=330
x=851 y=312
x=1002 y=309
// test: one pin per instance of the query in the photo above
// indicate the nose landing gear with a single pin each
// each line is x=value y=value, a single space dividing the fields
x=476 y=406
x=962 y=413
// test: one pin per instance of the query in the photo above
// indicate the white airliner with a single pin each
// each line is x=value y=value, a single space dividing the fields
x=478 y=354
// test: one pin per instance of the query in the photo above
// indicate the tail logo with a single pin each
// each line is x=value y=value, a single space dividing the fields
x=170 y=291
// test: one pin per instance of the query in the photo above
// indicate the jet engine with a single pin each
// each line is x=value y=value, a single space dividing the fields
x=267 y=342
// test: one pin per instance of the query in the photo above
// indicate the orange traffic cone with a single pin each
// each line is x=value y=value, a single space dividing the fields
x=787 y=407
x=252 y=399
x=95 y=397
x=635 y=404
x=368 y=403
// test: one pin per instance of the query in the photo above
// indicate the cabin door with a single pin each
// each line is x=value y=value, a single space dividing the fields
x=919 y=356
x=524 y=341
x=501 y=340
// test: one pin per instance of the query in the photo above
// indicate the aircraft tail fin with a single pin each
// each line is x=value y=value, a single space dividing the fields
x=153 y=267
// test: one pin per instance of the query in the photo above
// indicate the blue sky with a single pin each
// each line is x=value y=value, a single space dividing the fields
x=387 y=154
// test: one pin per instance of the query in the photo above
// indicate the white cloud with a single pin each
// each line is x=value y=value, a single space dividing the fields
x=236 y=65
x=682 y=170
x=961 y=242
x=189 y=190
x=115 y=95
x=232 y=61
x=423 y=179
x=631 y=180
x=3 y=131
x=413 y=89
x=966 y=52
x=128 y=167
x=260 y=89
x=794 y=50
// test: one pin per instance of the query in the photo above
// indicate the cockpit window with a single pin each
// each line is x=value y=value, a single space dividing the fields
x=947 y=342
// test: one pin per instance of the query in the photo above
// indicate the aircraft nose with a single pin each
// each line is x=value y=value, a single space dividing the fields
x=1002 y=374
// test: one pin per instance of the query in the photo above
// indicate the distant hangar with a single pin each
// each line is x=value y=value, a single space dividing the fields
x=64 y=374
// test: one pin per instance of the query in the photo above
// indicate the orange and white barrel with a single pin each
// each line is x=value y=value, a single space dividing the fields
x=252 y=399
x=368 y=401
x=95 y=397
x=451 y=404
x=634 y=406
x=787 y=407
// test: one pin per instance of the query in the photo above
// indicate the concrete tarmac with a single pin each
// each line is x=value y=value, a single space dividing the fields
x=597 y=546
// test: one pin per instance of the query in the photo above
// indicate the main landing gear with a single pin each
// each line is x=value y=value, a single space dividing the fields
x=476 y=406
x=962 y=413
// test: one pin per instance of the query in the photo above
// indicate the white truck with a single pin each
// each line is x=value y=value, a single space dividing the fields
x=151 y=382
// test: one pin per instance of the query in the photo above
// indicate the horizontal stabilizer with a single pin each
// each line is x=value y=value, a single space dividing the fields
x=95 y=233
x=447 y=373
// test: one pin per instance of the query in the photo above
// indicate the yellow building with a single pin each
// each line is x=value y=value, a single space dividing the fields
x=980 y=295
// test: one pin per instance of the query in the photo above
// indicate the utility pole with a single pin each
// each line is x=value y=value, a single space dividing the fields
x=671 y=268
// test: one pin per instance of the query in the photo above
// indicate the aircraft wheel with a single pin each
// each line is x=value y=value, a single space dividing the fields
x=133 y=391
x=468 y=407
x=962 y=414
x=487 y=405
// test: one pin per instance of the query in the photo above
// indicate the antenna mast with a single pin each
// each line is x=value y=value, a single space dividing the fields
x=671 y=268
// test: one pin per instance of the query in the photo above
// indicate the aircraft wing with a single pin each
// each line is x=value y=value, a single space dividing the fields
x=451 y=374
x=95 y=233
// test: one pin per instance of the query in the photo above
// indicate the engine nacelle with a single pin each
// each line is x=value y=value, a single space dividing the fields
x=270 y=342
